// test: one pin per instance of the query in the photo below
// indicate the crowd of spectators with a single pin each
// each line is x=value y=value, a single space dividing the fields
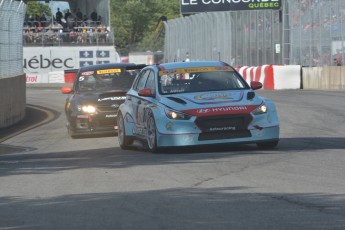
x=317 y=22
x=69 y=27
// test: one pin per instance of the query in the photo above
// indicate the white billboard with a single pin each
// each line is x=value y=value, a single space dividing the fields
x=38 y=62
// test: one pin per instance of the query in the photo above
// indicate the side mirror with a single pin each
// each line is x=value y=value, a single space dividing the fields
x=66 y=90
x=255 y=85
x=147 y=92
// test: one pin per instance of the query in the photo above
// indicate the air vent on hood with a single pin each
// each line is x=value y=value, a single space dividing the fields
x=178 y=100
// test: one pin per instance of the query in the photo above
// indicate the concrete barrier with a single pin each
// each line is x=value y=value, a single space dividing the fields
x=273 y=76
x=326 y=77
x=12 y=100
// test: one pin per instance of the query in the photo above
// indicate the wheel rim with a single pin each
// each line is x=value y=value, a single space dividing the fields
x=151 y=133
x=120 y=130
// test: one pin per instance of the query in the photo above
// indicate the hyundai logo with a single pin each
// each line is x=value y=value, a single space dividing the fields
x=203 y=110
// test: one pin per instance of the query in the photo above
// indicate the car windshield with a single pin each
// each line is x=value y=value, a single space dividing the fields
x=106 y=79
x=200 y=79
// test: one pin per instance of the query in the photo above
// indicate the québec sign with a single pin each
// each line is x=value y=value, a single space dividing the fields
x=198 y=6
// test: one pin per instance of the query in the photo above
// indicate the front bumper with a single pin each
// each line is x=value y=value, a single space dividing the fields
x=191 y=139
x=93 y=124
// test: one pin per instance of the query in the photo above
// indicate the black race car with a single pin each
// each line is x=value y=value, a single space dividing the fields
x=97 y=93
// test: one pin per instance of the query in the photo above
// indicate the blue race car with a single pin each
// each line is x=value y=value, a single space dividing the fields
x=195 y=103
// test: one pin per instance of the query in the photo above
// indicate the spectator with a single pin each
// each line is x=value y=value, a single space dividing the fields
x=43 y=20
x=70 y=22
x=102 y=33
x=40 y=26
x=58 y=15
x=79 y=15
x=94 y=15
x=28 y=36
x=68 y=14
x=73 y=36
x=99 y=20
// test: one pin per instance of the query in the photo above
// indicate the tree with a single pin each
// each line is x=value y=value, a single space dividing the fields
x=37 y=8
x=134 y=22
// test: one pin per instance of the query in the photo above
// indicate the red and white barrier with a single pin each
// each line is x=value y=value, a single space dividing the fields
x=273 y=76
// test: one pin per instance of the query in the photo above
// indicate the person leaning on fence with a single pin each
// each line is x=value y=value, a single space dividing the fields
x=102 y=31
x=72 y=36
x=58 y=15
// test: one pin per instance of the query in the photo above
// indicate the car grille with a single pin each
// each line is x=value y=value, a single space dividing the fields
x=106 y=122
x=224 y=127
x=107 y=109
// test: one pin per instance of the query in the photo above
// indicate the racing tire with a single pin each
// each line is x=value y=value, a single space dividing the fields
x=151 y=137
x=267 y=144
x=124 y=141
x=69 y=130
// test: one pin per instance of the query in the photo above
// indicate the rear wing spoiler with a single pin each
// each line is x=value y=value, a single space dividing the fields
x=136 y=67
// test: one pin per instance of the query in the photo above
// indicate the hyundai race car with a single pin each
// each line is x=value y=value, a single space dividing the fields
x=97 y=93
x=195 y=103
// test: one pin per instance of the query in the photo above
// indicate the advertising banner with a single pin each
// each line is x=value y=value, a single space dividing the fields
x=198 y=6
x=40 y=61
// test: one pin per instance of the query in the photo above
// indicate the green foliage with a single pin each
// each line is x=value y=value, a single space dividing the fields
x=135 y=21
x=37 y=8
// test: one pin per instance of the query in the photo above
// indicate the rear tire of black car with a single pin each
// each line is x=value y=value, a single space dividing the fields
x=267 y=144
x=124 y=141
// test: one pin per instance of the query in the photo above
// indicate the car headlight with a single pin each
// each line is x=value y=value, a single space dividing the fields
x=87 y=108
x=172 y=114
x=261 y=109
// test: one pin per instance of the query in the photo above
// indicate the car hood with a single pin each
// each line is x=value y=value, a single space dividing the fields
x=204 y=100
x=101 y=98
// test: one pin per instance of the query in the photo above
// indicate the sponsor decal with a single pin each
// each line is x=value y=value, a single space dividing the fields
x=203 y=111
x=230 y=128
x=102 y=53
x=189 y=138
x=88 y=73
x=85 y=63
x=245 y=109
x=213 y=96
x=106 y=71
x=259 y=132
x=139 y=131
x=83 y=116
x=31 y=79
x=115 y=106
x=86 y=54
x=112 y=98
x=169 y=126
x=196 y=69
x=102 y=62
x=197 y=6
x=153 y=106
x=45 y=63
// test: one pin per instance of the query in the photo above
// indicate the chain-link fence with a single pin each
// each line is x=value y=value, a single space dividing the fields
x=315 y=32
x=239 y=38
x=12 y=14
x=304 y=32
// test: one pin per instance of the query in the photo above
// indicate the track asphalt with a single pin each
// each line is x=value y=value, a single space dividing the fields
x=34 y=117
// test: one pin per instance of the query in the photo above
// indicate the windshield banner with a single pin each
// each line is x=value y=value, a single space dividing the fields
x=198 y=6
